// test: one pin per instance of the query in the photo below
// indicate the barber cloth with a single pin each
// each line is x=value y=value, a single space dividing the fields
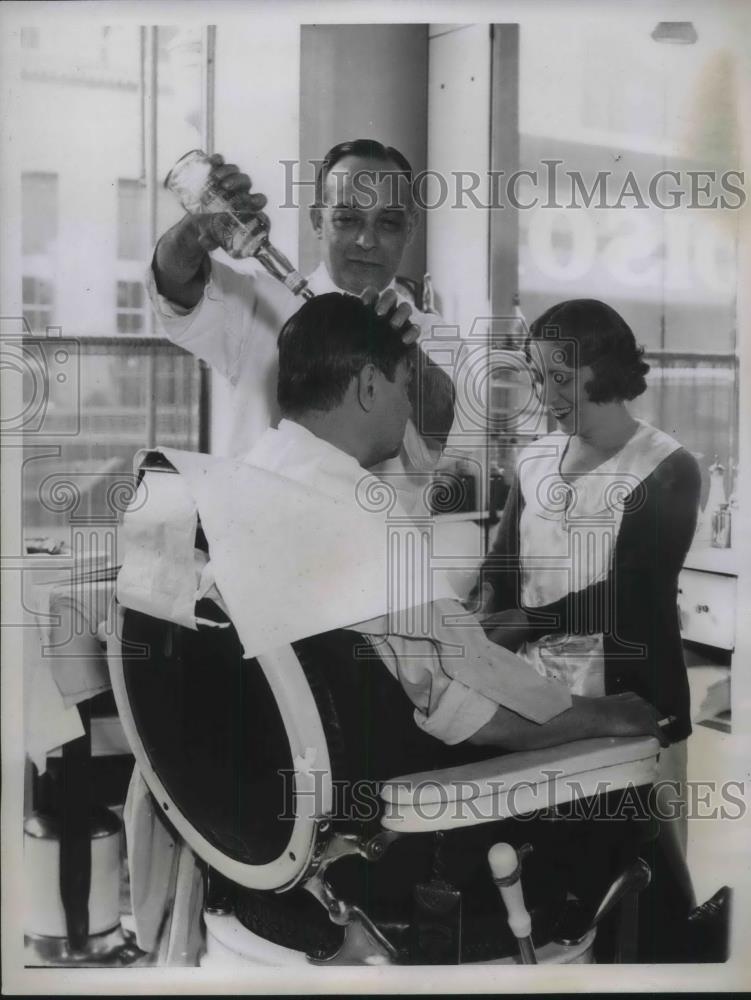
x=288 y=560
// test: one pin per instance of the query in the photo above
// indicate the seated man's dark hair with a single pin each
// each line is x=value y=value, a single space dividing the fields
x=594 y=334
x=326 y=344
x=369 y=149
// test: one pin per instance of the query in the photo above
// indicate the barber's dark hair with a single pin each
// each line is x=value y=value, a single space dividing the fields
x=594 y=334
x=367 y=148
x=325 y=345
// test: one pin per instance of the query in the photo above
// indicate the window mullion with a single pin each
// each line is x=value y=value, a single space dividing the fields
x=150 y=82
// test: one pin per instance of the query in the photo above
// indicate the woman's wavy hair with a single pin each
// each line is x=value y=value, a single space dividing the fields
x=593 y=333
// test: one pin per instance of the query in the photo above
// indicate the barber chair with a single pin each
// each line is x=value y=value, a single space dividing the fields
x=330 y=830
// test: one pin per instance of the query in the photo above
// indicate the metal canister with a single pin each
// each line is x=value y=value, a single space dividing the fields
x=45 y=914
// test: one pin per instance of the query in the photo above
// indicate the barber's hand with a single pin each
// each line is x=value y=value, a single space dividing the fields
x=628 y=714
x=481 y=603
x=212 y=230
x=385 y=304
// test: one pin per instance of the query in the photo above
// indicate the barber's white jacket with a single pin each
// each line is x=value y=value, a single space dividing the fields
x=235 y=328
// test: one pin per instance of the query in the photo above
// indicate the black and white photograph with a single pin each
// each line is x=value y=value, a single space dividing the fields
x=376 y=479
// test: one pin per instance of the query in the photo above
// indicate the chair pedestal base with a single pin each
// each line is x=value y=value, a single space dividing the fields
x=229 y=944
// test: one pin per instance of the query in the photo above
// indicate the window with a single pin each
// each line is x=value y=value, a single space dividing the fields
x=623 y=106
x=100 y=416
x=29 y=38
x=86 y=236
x=38 y=298
x=39 y=211
x=39 y=230
x=698 y=397
x=130 y=308
x=132 y=229
x=104 y=46
x=562 y=243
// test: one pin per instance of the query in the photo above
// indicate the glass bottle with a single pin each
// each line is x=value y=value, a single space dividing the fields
x=190 y=181
x=721 y=525
x=716 y=487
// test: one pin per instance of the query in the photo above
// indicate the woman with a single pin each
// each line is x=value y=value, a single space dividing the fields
x=582 y=577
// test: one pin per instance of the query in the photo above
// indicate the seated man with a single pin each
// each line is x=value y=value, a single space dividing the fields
x=344 y=395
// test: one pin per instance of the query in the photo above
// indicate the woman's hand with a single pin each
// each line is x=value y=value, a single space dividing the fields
x=508 y=628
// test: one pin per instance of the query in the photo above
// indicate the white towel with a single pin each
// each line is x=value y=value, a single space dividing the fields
x=289 y=561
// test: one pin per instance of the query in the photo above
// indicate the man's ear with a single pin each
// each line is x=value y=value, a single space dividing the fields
x=316 y=220
x=367 y=387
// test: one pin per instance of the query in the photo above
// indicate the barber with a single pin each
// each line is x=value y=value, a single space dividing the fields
x=364 y=217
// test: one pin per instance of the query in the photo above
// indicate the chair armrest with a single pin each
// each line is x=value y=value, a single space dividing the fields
x=517 y=783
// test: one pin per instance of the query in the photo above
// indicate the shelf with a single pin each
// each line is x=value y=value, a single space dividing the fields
x=710 y=560
x=465 y=515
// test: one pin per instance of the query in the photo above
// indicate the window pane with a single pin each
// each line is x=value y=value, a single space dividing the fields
x=38 y=212
x=29 y=38
x=698 y=402
x=44 y=292
x=100 y=436
x=130 y=307
x=180 y=107
x=38 y=319
x=37 y=303
x=132 y=227
x=130 y=322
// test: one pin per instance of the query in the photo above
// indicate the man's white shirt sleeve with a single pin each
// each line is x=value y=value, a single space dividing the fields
x=219 y=328
x=444 y=707
x=459 y=714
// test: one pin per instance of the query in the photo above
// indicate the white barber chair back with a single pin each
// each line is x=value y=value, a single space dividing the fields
x=243 y=757
x=284 y=698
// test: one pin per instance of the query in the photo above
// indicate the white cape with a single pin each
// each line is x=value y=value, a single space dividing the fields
x=289 y=561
